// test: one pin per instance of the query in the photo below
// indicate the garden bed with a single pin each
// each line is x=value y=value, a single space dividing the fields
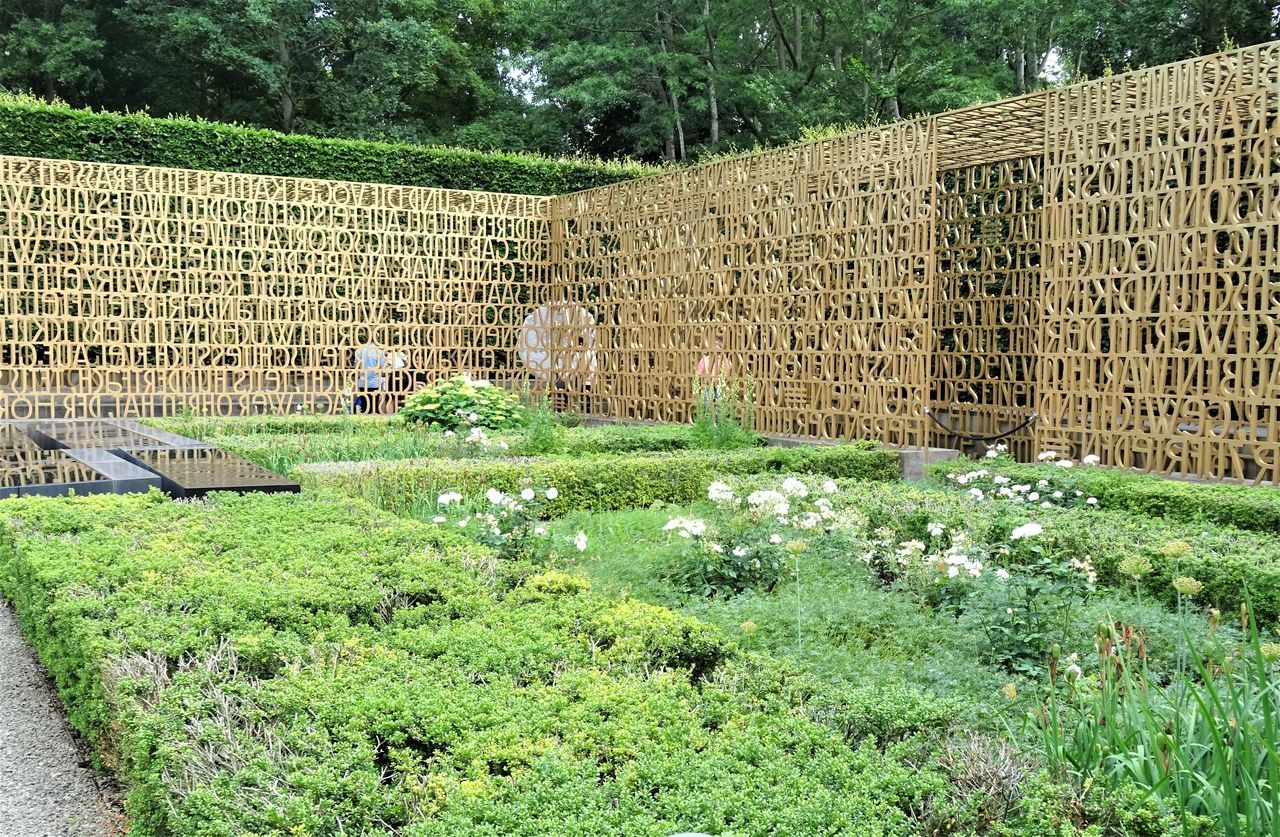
x=592 y=483
x=611 y=630
x=282 y=443
x=267 y=664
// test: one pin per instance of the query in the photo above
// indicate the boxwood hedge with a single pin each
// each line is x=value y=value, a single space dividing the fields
x=1256 y=508
x=33 y=128
x=275 y=664
x=280 y=443
x=591 y=483
x=1235 y=565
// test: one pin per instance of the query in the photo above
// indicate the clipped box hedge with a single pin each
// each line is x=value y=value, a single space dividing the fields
x=282 y=443
x=600 y=483
x=1256 y=508
x=301 y=664
x=33 y=128
x=1234 y=564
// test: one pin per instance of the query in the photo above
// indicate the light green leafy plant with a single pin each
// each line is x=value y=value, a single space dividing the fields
x=459 y=402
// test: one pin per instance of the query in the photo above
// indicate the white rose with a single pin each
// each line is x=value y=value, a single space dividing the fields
x=1026 y=530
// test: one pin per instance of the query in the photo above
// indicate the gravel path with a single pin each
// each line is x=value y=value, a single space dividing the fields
x=47 y=788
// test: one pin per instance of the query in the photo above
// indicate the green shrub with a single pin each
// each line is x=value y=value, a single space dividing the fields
x=1228 y=561
x=644 y=637
x=1231 y=563
x=590 y=484
x=542 y=433
x=32 y=128
x=458 y=402
x=273 y=664
x=886 y=713
x=1256 y=508
x=723 y=414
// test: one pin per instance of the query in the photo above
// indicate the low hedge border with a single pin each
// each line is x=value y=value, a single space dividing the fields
x=1256 y=508
x=600 y=483
x=1233 y=564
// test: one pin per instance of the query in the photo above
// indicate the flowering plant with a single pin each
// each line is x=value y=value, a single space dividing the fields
x=469 y=442
x=1045 y=492
x=1035 y=603
x=1014 y=591
x=510 y=523
x=747 y=541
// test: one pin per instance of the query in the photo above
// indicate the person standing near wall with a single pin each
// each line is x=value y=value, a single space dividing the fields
x=371 y=365
x=713 y=368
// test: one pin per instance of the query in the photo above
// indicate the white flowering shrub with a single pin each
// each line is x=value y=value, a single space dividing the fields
x=1016 y=592
x=510 y=523
x=468 y=442
x=459 y=402
x=750 y=539
x=1043 y=491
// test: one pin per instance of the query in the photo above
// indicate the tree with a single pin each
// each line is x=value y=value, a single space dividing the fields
x=1143 y=33
x=51 y=48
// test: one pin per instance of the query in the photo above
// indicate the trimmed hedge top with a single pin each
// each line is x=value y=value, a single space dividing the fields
x=596 y=483
x=1255 y=508
x=32 y=128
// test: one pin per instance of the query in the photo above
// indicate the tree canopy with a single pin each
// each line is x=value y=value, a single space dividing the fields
x=651 y=79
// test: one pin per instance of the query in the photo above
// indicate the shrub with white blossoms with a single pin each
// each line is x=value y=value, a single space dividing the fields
x=1045 y=493
x=750 y=539
x=937 y=568
x=510 y=523
x=1018 y=592
x=471 y=441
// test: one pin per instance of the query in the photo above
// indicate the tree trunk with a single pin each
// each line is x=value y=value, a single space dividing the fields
x=668 y=36
x=799 y=39
x=785 y=50
x=713 y=105
x=288 y=104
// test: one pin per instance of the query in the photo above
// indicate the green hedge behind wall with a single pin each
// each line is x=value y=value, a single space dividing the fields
x=32 y=128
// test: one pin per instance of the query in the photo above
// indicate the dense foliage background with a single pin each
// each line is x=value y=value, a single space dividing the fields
x=656 y=79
